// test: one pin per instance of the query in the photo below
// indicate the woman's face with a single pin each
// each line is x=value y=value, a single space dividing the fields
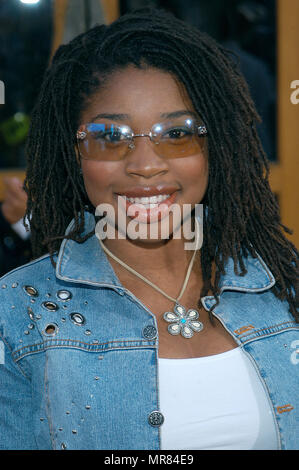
x=143 y=97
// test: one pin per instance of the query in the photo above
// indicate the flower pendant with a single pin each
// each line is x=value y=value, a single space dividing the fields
x=182 y=322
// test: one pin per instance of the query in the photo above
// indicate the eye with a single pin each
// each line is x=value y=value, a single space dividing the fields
x=109 y=134
x=114 y=136
x=177 y=133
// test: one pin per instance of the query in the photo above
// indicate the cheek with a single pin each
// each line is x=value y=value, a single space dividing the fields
x=194 y=175
x=98 y=180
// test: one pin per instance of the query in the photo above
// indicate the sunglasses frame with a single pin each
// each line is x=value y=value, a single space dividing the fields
x=81 y=135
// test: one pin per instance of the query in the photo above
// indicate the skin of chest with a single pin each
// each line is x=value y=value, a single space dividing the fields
x=213 y=339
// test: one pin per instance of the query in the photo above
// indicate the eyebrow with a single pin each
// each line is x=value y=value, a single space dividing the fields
x=116 y=117
x=124 y=117
x=176 y=114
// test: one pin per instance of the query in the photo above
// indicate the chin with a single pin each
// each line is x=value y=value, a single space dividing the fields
x=152 y=233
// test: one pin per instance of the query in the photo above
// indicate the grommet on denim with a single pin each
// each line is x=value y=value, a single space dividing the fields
x=51 y=306
x=30 y=290
x=51 y=329
x=77 y=318
x=64 y=295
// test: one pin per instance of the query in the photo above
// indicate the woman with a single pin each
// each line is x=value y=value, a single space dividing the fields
x=139 y=343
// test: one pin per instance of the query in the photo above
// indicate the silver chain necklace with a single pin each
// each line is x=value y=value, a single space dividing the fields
x=181 y=321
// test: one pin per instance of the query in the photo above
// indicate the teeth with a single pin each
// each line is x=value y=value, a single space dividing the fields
x=151 y=201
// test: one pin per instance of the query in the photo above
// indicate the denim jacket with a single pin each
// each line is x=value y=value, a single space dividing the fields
x=79 y=352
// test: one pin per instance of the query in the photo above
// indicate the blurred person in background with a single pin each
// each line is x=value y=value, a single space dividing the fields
x=15 y=246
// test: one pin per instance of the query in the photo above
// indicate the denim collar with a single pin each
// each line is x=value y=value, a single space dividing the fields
x=86 y=263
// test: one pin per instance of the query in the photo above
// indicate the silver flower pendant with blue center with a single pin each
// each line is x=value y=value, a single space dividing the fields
x=183 y=322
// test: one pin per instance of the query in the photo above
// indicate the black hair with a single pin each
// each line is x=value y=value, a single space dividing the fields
x=243 y=215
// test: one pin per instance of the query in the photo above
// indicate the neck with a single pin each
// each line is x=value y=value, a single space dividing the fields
x=168 y=256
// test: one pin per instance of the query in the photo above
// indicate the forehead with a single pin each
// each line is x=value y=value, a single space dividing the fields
x=140 y=93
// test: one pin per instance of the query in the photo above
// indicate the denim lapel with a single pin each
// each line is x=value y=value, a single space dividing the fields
x=87 y=263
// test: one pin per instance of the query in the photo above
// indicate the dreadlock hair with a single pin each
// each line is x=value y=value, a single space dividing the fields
x=243 y=215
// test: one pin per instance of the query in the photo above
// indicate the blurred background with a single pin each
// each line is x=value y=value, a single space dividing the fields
x=264 y=34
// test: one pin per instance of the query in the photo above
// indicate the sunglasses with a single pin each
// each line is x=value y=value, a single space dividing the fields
x=111 y=142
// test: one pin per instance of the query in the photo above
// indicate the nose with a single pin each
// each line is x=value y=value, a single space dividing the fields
x=143 y=161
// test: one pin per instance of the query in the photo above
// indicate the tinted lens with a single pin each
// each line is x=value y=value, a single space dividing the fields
x=178 y=138
x=104 y=141
x=172 y=139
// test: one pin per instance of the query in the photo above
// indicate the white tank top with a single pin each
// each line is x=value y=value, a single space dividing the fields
x=214 y=403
